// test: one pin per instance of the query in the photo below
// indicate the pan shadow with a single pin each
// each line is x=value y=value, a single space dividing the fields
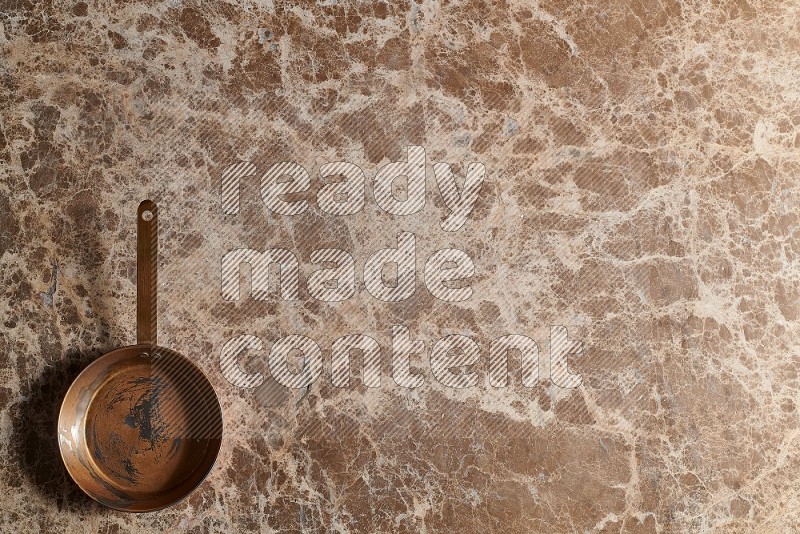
x=34 y=439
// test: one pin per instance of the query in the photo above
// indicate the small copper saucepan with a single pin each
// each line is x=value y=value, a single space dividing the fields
x=141 y=426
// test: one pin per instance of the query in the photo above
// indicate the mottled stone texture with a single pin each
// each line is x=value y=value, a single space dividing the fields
x=642 y=190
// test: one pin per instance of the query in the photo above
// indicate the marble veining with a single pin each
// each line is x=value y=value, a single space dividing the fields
x=642 y=163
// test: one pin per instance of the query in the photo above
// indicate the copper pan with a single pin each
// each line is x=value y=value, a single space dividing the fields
x=141 y=426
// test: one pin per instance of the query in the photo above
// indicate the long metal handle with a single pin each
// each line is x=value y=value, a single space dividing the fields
x=146 y=273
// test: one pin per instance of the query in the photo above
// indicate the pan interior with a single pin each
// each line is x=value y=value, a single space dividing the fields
x=153 y=427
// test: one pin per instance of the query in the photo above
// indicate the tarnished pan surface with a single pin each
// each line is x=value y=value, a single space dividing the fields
x=140 y=428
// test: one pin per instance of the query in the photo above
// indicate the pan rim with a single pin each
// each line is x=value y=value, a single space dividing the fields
x=61 y=445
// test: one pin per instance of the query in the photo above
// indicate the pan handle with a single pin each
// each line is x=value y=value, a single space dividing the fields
x=146 y=272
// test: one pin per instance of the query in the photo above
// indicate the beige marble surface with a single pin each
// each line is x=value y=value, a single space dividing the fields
x=642 y=190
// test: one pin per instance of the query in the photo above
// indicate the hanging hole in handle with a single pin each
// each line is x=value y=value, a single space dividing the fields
x=147 y=215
